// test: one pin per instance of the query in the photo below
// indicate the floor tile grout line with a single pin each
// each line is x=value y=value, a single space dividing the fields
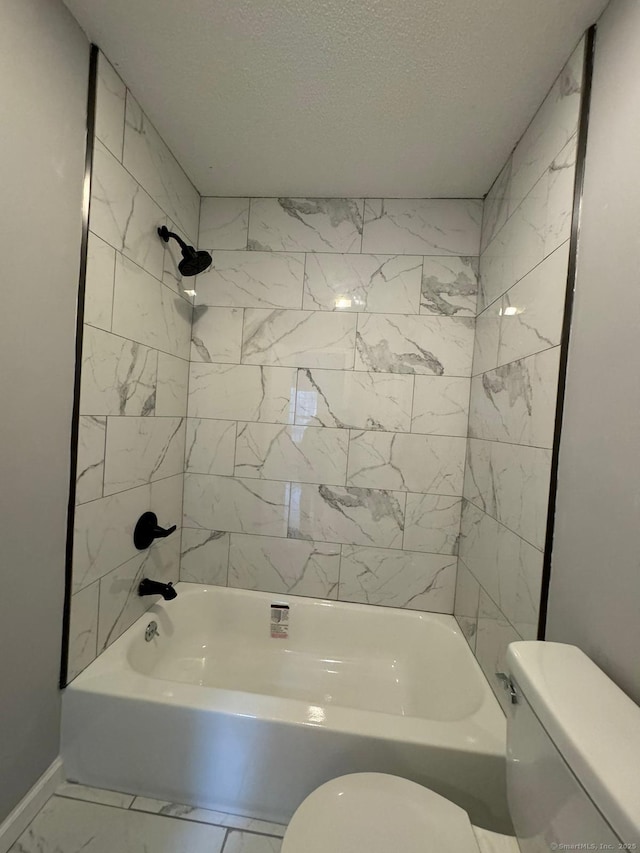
x=188 y=820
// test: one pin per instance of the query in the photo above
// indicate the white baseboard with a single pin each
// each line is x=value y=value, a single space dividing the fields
x=19 y=819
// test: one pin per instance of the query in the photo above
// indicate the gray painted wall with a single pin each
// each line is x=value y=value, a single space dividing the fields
x=595 y=585
x=43 y=81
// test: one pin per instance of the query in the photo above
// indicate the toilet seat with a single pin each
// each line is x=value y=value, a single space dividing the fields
x=378 y=813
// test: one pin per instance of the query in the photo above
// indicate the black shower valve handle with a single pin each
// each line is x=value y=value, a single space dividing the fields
x=147 y=529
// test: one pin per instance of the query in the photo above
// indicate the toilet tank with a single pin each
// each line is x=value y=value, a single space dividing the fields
x=573 y=753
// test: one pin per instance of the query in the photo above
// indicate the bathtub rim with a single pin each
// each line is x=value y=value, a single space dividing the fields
x=111 y=674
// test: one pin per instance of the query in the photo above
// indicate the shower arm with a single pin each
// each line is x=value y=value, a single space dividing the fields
x=165 y=234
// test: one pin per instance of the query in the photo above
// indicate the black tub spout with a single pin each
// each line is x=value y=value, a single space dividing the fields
x=149 y=587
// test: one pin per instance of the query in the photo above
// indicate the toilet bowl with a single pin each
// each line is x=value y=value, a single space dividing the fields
x=378 y=813
x=571 y=774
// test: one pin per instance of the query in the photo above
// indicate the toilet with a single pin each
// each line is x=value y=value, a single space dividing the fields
x=573 y=759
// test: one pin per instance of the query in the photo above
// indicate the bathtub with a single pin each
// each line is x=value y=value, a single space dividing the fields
x=215 y=712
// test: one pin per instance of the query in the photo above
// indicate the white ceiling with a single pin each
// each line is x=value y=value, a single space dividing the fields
x=404 y=98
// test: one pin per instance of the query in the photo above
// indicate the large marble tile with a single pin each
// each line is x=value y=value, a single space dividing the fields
x=98 y=293
x=511 y=483
x=83 y=630
x=242 y=392
x=370 y=283
x=350 y=515
x=236 y=505
x=152 y=164
x=291 y=566
x=253 y=280
x=306 y=224
x=508 y=568
x=172 y=387
x=520 y=567
x=210 y=446
x=551 y=128
x=141 y=450
x=559 y=202
x=478 y=475
x=388 y=343
x=69 y=826
x=478 y=549
x=204 y=556
x=492 y=639
x=246 y=842
x=298 y=338
x=94 y=795
x=216 y=334
x=540 y=224
x=224 y=223
x=441 y=405
x=517 y=402
x=123 y=214
x=449 y=286
x=111 y=94
x=118 y=376
x=103 y=532
x=146 y=311
x=354 y=399
x=300 y=453
x=90 y=459
x=465 y=607
x=398 y=578
x=495 y=210
x=120 y=605
x=487 y=338
x=147 y=804
x=517 y=248
x=432 y=523
x=406 y=462
x=430 y=226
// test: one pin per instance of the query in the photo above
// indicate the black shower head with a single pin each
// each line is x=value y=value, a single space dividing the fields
x=193 y=261
x=196 y=263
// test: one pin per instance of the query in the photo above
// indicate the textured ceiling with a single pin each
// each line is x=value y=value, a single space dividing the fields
x=405 y=98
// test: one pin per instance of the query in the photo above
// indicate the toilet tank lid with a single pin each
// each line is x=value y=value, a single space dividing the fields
x=594 y=725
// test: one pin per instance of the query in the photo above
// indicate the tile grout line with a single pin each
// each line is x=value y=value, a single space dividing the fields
x=502 y=524
x=169 y=215
x=490 y=597
x=139 y=343
x=124 y=117
x=523 y=277
x=131 y=808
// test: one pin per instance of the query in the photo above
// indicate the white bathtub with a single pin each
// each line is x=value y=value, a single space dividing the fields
x=215 y=713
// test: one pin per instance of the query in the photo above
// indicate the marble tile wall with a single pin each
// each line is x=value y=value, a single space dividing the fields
x=522 y=285
x=135 y=370
x=329 y=389
x=329 y=418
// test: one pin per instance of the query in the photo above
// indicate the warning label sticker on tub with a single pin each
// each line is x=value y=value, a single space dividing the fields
x=279 y=621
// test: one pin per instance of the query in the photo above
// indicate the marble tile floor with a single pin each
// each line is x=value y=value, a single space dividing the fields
x=92 y=820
